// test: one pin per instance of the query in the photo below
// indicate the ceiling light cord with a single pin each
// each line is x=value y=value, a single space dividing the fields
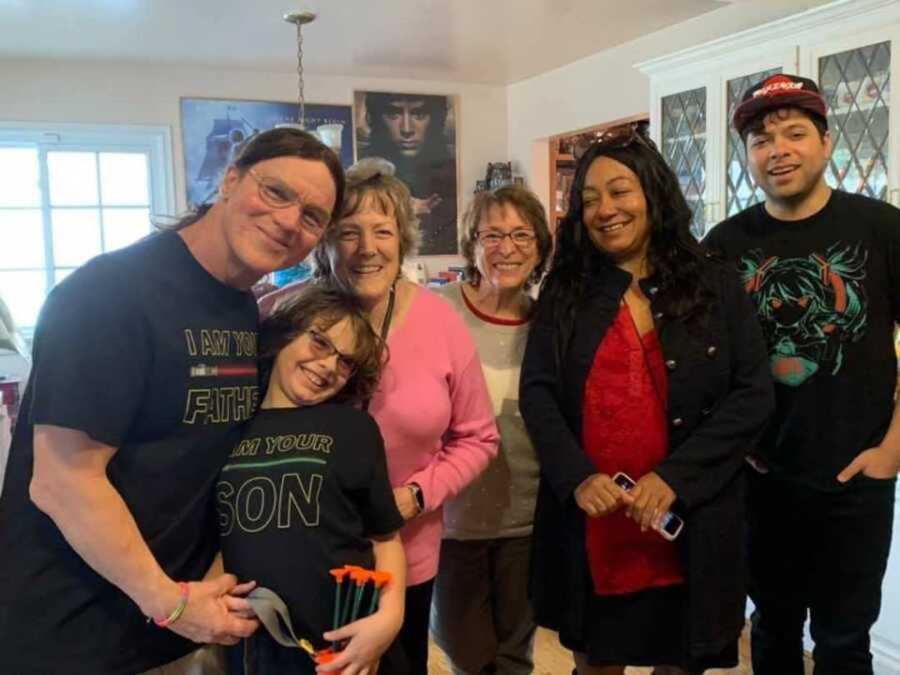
x=301 y=101
x=299 y=19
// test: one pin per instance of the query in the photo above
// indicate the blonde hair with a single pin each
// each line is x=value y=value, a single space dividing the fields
x=371 y=184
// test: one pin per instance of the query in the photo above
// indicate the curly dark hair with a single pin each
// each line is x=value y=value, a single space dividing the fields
x=676 y=260
x=530 y=210
x=325 y=304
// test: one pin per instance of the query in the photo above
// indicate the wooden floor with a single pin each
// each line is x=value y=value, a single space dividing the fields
x=552 y=659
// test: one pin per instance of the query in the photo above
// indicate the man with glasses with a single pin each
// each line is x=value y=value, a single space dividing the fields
x=823 y=268
x=144 y=365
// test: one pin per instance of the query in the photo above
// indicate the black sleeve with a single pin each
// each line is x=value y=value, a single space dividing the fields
x=91 y=358
x=707 y=461
x=563 y=462
x=377 y=505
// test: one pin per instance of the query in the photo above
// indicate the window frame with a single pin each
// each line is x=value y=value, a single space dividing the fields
x=154 y=141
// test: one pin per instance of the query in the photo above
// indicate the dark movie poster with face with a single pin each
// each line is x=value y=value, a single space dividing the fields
x=417 y=134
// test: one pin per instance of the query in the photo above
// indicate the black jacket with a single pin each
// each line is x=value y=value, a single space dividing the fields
x=720 y=397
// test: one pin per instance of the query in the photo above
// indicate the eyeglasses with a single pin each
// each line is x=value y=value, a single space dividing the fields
x=618 y=137
x=520 y=238
x=322 y=348
x=276 y=194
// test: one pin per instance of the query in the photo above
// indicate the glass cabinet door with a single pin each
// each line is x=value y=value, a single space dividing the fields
x=856 y=86
x=683 y=144
x=740 y=191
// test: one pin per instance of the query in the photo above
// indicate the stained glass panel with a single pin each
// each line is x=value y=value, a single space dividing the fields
x=856 y=86
x=684 y=147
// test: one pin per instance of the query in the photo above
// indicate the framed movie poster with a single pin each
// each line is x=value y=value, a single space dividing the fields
x=211 y=130
x=417 y=134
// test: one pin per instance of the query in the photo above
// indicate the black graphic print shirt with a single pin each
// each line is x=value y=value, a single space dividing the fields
x=303 y=492
x=827 y=291
x=143 y=350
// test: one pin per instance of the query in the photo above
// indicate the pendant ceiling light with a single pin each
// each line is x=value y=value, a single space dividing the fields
x=329 y=134
x=299 y=19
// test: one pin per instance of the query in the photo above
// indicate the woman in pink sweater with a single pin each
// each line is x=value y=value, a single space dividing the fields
x=432 y=407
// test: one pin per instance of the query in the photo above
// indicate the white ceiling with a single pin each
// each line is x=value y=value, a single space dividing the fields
x=489 y=41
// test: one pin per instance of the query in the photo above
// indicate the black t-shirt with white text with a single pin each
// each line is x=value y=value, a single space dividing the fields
x=143 y=350
x=827 y=292
x=302 y=493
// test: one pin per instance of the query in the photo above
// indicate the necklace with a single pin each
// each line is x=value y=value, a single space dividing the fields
x=385 y=327
x=389 y=312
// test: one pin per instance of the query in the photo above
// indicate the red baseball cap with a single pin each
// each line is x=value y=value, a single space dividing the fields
x=779 y=91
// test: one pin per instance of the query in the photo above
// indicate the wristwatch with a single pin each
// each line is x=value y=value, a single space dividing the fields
x=417 y=493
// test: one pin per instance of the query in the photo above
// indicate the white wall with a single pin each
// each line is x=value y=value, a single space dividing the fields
x=106 y=92
x=605 y=86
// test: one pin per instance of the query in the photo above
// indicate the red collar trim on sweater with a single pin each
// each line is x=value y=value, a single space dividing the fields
x=487 y=317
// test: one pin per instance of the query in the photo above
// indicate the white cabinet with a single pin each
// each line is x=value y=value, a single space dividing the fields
x=680 y=122
x=854 y=74
x=850 y=47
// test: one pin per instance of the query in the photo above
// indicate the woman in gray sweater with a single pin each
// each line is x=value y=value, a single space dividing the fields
x=481 y=616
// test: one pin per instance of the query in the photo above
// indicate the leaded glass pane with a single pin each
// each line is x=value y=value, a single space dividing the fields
x=856 y=85
x=684 y=147
x=740 y=190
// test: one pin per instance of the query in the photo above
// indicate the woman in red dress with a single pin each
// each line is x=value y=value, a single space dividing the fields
x=644 y=358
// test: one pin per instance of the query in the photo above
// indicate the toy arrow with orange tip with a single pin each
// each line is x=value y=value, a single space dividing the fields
x=338 y=573
x=348 y=597
x=321 y=657
x=360 y=576
x=325 y=656
x=380 y=580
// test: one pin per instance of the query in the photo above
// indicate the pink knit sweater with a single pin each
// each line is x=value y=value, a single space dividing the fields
x=436 y=417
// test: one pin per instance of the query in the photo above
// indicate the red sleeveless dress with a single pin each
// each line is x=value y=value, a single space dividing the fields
x=625 y=428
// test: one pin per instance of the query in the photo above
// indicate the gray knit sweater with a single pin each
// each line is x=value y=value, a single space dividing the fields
x=500 y=502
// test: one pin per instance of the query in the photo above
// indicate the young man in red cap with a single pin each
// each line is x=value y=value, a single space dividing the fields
x=823 y=268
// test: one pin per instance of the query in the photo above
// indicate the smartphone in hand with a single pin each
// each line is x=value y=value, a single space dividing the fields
x=670 y=526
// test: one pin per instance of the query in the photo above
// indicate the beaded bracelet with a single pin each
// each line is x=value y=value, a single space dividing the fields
x=179 y=609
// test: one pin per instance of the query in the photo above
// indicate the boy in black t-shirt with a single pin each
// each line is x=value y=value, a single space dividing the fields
x=823 y=268
x=306 y=490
